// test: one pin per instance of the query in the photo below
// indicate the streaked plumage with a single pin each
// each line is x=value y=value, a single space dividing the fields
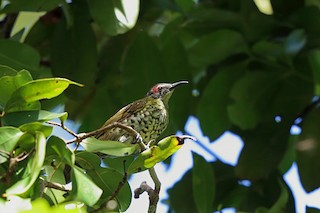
x=149 y=116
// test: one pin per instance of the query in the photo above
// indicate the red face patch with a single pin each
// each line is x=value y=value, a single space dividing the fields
x=155 y=89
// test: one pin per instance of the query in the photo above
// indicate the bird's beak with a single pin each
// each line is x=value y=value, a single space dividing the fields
x=174 y=85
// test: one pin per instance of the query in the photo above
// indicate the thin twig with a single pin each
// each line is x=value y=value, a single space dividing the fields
x=63 y=127
x=57 y=186
x=130 y=130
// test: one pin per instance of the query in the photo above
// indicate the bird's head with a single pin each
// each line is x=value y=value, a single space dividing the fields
x=164 y=90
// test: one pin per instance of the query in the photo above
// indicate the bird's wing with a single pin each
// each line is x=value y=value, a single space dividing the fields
x=126 y=111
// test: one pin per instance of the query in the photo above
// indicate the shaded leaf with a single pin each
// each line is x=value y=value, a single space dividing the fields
x=264 y=147
x=307 y=150
x=212 y=108
x=113 y=148
x=203 y=184
x=31 y=5
x=18 y=55
x=22 y=117
x=215 y=47
x=252 y=94
x=314 y=60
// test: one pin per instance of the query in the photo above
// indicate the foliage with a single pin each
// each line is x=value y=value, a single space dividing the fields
x=253 y=74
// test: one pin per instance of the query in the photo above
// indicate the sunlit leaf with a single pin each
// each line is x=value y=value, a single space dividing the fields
x=9 y=136
x=31 y=5
x=33 y=169
x=157 y=153
x=37 y=90
x=113 y=148
x=9 y=83
x=83 y=188
x=36 y=127
x=57 y=149
x=115 y=17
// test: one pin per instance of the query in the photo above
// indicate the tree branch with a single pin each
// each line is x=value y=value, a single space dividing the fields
x=153 y=193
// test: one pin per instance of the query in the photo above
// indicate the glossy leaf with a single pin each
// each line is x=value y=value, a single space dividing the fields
x=157 y=153
x=83 y=188
x=22 y=117
x=37 y=90
x=9 y=137
x=113 y=148
x=203 y=184
x=36 y=126
x=115 y=17
x=33 y=169
x=9 y=83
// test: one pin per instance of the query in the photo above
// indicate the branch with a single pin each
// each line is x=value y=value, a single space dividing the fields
x=57 y=186
x=63 y=127
x=308 y=108
x=153 y=193
x=129 y=129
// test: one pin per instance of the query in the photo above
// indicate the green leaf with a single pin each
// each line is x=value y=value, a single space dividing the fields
x=282 y=201
x=56 y=175
x=37 y=90
x=114 y=16
x=18 y=55
x=36 y=126
x=203 y=183
x=31 y=5
x=107 y=179
x=271 y=141
x=9 y=136
x=307 y=150
x=8 y=84
x=22 y=117
x=252 y=95
x=142 y=66
x=157 y=153
x=215 y=47
x=314 y=61
x=7 y=71
x=83 y=188
x=212 y=108
x=113 y=148
x=74 y=49
x=32 y=171
x=57 y=148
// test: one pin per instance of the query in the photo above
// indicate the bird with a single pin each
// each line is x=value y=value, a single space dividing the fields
x=149 y=116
